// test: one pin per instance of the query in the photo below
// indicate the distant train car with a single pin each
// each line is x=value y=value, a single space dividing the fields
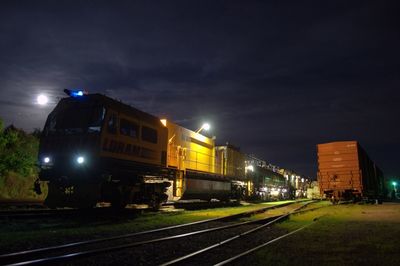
x=268 y=185
x=313 y=191
x=230 y=163
x=346 y=172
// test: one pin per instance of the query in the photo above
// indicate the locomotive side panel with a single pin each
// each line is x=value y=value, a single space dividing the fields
x=134 y=156
x=193 y=155
x=129 y=137
x=206 y=189
x=189 y=150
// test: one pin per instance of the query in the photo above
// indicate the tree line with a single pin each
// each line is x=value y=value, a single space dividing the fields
x=18 y=161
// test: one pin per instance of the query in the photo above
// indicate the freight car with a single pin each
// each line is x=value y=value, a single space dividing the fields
x=346 y=172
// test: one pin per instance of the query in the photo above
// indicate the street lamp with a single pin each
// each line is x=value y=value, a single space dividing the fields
x=394 y=183
x=205 y=126
x=249 y=168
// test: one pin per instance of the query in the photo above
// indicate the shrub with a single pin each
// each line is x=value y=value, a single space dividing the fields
x=18 y=158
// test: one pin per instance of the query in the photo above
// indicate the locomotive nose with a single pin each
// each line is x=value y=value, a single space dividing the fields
x=56 y=159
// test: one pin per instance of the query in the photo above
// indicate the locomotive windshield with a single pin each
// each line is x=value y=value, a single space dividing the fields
x=75 y=119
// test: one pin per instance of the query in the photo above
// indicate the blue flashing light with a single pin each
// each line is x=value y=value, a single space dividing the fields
x=76 y=93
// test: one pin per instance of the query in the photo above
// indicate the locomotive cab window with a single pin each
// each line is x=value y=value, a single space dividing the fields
x=75 y=118
x=149 y=134
x=112 y=124
x=128 y=128
x=96 y=119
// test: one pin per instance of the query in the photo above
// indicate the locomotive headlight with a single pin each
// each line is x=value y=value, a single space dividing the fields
x=80 y=159
x=46 y=162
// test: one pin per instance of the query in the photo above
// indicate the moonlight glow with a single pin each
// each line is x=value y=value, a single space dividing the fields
x=42 y=99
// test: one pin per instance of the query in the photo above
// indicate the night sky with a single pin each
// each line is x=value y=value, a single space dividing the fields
x=272 y=77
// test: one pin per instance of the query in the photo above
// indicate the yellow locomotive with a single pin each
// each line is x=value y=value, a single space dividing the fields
x=96 y=149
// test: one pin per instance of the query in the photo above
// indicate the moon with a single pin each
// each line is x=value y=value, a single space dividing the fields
x=42 y=99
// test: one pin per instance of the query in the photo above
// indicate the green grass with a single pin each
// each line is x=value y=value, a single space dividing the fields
x=284 y=210
x=343 y=235
x=30 y=233
x=16 y=187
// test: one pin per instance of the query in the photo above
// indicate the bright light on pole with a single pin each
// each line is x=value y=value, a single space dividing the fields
x=249 y=168
x=42 y=99
x=205 y=126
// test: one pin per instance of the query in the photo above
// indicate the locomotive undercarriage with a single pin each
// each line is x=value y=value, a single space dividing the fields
x=133 y=185
x=144 y=191
x=67 y=194
x=64 y=193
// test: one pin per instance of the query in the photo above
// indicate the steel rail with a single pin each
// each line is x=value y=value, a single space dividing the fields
x=40 y=212
x=54 y=212
x=120 y=247
x=275 y=219
x=140 y=243
x=262 y=245
x=32 y=252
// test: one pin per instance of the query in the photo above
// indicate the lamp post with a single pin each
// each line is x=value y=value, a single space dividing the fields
x=393 y=193
x=205 y=126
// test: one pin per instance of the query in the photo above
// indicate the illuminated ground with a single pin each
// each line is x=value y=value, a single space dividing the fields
x=345 y=235
x=21 y=234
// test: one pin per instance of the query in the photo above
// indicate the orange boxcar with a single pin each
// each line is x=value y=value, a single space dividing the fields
x=346 y=172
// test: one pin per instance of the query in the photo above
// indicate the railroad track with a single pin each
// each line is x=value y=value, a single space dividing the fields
x=6 y=204
x=190 y=258
x=50 y=255
x=61 y=213
x=36 y=212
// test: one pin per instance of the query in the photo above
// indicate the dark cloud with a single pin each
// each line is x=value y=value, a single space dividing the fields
x=273 y=77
